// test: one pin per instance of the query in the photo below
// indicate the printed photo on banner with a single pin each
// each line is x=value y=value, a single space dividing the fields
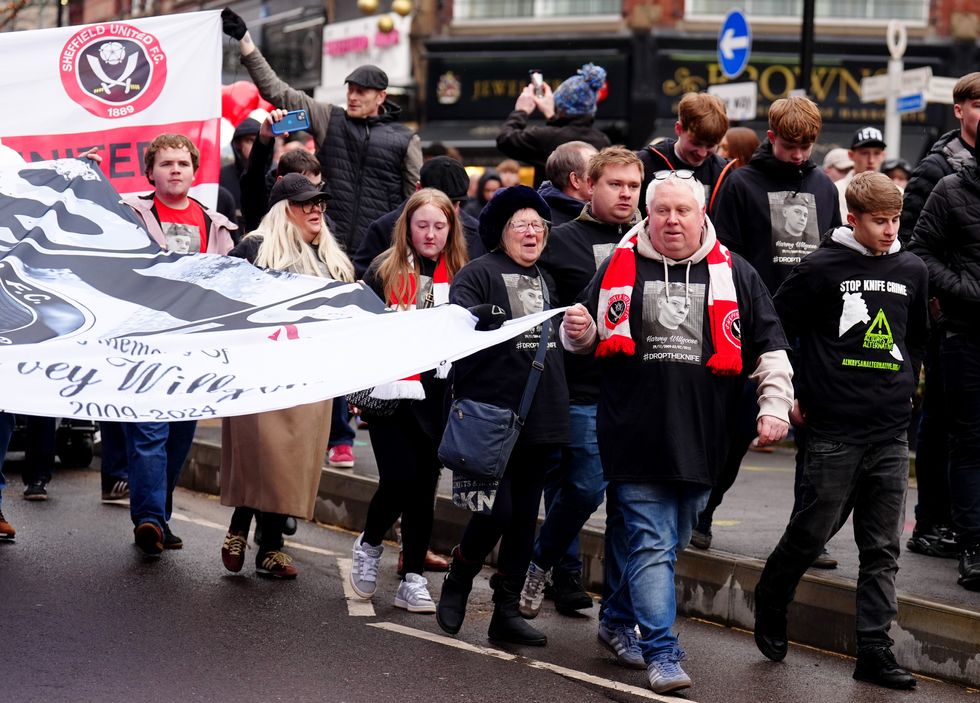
x=673 y=321
x=793 y=217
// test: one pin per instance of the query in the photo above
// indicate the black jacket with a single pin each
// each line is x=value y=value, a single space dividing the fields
x=750 y=213
x=574 y=252
x=378 y=238
x=563 y=207
x=533 y=144
x=662 y=157
x=947 y=239
x=861 y=323
x=948 y=155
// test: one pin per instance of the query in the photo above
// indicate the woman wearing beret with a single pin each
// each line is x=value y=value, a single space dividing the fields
x=427 y=252
x=514 y=229
x=271 y=461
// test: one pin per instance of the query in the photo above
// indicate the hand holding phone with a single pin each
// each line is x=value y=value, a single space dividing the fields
x=292 y=121
x=537 y=80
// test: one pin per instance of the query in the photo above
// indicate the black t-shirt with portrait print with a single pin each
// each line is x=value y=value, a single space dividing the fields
x=430 y=411
x=498 y=374
x=574 y=252
x=774 y=213
x=663 y=415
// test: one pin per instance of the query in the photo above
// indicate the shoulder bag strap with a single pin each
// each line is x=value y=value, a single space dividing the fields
x=537 y=366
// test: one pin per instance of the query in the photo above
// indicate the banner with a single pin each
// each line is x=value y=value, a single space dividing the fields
x=116 y=86
x=97 y=322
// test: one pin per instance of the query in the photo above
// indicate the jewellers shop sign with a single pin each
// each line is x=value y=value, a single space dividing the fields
x=347 y=45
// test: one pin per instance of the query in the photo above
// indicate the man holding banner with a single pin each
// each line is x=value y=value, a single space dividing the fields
x=156 y=450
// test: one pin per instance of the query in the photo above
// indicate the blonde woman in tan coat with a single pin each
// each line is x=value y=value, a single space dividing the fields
x=271 y=461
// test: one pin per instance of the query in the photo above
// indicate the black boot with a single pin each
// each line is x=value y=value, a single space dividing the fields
x=770 y=629
x=455 y=590
x=877 y=665
x=506 y=624
x=570 y=594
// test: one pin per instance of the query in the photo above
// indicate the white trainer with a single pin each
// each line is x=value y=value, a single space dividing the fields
x=532 y=594
x=413 y=595
x=364 y=569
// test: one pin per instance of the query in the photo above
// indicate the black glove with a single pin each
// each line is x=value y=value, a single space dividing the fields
x=232 y=24
x=488 y=317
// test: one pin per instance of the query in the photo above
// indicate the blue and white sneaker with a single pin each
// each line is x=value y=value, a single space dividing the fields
x=666 y=674
x=622 y=641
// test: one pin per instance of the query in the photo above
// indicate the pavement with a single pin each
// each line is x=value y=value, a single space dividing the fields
x=87 y=618
x=937 y=632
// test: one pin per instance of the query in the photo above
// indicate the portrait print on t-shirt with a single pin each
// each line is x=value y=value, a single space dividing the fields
x=601 y=252
x=524 y=294
x=182 y=238
x=424 y=298
x=795 y=233
x=673 y=322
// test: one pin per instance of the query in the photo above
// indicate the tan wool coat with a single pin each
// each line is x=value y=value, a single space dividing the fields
x=272 y=461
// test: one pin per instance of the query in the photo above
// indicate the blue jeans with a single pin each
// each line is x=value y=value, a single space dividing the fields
x=572 y=492
x=340 y=430
x=871 y=480
x=6 y=429
x=961 y=366
x=658 y=519
x=114 y=463
x=157 y=451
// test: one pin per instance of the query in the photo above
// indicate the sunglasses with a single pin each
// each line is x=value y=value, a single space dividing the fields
x=311 y=205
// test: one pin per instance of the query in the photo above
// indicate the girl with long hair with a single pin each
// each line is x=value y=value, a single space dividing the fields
x=426 y=253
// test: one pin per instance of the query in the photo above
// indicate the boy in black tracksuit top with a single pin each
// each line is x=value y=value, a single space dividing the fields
x=858 y=307
x=701 y=125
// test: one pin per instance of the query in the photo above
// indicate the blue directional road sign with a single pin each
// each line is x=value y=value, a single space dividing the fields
x=734 y=44
x=915 y=102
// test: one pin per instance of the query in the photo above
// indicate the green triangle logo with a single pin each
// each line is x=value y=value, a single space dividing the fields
x=879 y=334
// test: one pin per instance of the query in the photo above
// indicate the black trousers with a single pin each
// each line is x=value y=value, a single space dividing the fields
x=515 y=511
x=408 y=471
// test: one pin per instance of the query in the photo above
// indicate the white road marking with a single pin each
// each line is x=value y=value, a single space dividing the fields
x=533 y=663
x=223 y=528
x=356 y=606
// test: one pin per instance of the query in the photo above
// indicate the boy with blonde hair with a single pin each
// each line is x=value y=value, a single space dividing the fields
x=858 y=309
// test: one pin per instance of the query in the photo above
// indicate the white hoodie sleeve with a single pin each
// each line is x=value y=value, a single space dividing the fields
x=774 y=376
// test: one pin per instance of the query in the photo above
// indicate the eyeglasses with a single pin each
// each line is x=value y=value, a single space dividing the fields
x=680 y=173
x=311 y=205
x=520 y=226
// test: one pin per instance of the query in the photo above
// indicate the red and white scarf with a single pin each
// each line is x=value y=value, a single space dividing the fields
x=613 y=324
x=411 y=387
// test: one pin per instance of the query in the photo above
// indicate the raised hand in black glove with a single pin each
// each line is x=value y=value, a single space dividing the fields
x=488 y=317
x=232 y=24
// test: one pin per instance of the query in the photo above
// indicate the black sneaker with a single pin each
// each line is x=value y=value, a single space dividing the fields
x=170 y=540
x=117 y=491
x=701 y=540
x=36 y=491
x=935 y=541
x=877 y=665
x=570 y=595
x=289 y=528
x=970 y=568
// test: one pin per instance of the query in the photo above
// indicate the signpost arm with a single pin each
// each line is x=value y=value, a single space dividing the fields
x=806 y=45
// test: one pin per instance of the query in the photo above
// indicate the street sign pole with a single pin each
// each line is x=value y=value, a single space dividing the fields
x=806 y=46
x=897 y=40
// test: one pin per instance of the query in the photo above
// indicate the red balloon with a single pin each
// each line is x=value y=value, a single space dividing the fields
x=239 y=99
x=603 y=92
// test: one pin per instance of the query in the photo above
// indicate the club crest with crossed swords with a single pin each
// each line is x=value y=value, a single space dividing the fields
x=124 y=81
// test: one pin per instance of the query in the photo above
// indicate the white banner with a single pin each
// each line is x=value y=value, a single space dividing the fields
x=97 y=322
x=116 y=85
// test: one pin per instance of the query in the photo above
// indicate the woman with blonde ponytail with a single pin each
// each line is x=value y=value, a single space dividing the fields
x=271 y=461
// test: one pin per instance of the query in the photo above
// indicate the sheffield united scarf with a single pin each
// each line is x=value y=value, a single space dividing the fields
x=613 y=324
x=411 y=387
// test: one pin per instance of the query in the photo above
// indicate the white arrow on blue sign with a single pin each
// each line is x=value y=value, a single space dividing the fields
x=734 y=44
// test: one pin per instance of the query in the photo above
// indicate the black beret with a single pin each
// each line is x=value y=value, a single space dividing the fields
x=504 y=203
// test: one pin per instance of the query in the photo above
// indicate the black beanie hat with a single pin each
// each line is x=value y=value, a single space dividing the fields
x=504 y=203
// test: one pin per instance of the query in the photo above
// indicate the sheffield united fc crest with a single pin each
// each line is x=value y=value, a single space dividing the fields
x=113 y=70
